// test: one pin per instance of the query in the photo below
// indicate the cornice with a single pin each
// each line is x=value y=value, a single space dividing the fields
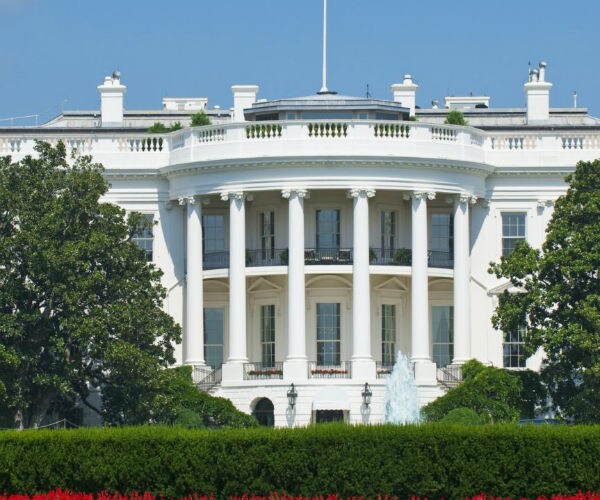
x=181 y=170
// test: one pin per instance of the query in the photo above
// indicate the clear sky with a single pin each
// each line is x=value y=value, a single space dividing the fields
x=52 y=50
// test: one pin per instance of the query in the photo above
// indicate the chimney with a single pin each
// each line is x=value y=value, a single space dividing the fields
x=243 y=97
x=111 y=100
x=406 y=93
x=537 y=90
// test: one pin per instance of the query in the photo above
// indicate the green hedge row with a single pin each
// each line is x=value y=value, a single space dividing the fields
x=431 y=460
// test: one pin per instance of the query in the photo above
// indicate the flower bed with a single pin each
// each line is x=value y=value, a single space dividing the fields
x=70 y=495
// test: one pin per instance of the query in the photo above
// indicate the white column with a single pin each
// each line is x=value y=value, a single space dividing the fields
x=193 y=338
x=421 y=346
x=362 y=361
x=233 y=369
x=296 y=363
x=462 y=276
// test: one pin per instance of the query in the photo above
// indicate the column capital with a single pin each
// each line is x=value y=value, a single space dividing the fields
x=469 y=198
x=188 y=200
x=420 y=195
x=300 y=193
x=542 y=204
x=233 y=195
x=358 y=192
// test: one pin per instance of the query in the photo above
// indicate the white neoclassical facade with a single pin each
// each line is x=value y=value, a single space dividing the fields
x=305 y=241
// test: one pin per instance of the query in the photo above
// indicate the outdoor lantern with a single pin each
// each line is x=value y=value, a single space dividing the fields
x=292 y=395
x=366 y=395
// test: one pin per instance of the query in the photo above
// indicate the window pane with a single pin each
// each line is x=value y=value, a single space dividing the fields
x=388 y=230
x=513 y=231
x=213 y=335
x=514 y=342
x=143 y=236
x=328 y=334
x=328 y=229
x=442 y=319
x=388 y=334
x=442 y=233
x=213 y=233
x=267 y=314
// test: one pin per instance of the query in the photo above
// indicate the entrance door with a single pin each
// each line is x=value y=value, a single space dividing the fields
x=263 y=412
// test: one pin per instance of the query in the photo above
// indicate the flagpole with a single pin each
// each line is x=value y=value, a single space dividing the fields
x=324 y=87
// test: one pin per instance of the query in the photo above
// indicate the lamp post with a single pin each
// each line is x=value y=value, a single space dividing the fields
x=366 y=395
x=292 y=395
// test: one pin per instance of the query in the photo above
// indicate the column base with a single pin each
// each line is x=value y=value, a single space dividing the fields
x=232 y=372
x=295 y=369
x=425 y=373
x=363 y=369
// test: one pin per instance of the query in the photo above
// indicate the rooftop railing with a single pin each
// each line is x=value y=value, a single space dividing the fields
x=285 y=137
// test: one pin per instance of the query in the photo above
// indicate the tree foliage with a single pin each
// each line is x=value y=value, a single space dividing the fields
x=200 y=119
x=560 y=296
x=79 y=304
x=455 y=117
x=161 y=128
x=492 y=393
x=168 y=396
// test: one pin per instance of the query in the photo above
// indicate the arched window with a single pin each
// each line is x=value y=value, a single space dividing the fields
x=263 y=412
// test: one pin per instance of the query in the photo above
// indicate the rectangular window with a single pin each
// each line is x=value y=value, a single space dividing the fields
x=267 y=235
x=388 y=334
x=214 y=320
x=388 y=231
x=213 y=241
x=513 y=231
x=514 y=344
x=144 y=238
x=441 y=242
x=328 y=229
x=328 y=334
x=267 y=335
x=442 y=323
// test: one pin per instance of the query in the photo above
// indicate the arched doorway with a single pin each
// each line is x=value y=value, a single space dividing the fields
x=263 y=412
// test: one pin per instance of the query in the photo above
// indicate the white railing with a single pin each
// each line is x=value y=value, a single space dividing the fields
x=330 y=137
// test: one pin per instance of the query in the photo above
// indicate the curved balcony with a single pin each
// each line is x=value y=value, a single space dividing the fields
x=329 y=257
x=139 y=151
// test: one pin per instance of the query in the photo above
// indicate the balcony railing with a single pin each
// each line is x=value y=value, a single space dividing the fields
x=215 y=260
x=267 y=257
x=260 y=371
x=449 y=375
x=383 y=370
x=390 y=256
x=343 y=370
x=206 y=377
x=441 y=259
x=327 y=256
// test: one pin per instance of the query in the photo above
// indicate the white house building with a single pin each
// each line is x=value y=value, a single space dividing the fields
x=305 y=241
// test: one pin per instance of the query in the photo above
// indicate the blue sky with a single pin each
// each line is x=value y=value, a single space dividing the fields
x=52 y=50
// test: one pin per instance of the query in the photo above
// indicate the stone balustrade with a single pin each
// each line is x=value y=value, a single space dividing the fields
x=301 y=138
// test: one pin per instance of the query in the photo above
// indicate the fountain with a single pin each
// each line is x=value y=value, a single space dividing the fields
x=402 y=404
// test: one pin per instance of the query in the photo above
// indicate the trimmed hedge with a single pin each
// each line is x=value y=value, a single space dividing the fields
x=432 y=460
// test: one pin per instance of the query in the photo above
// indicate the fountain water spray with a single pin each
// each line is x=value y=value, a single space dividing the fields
x=402 y=403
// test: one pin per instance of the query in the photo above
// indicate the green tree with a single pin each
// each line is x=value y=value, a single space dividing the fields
x=162 y=396
x=79 y=304
x=158 y=128
x=161 y=128
x=559 y=294
x=200 y=119
x=492 y=393
x=455 y=117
